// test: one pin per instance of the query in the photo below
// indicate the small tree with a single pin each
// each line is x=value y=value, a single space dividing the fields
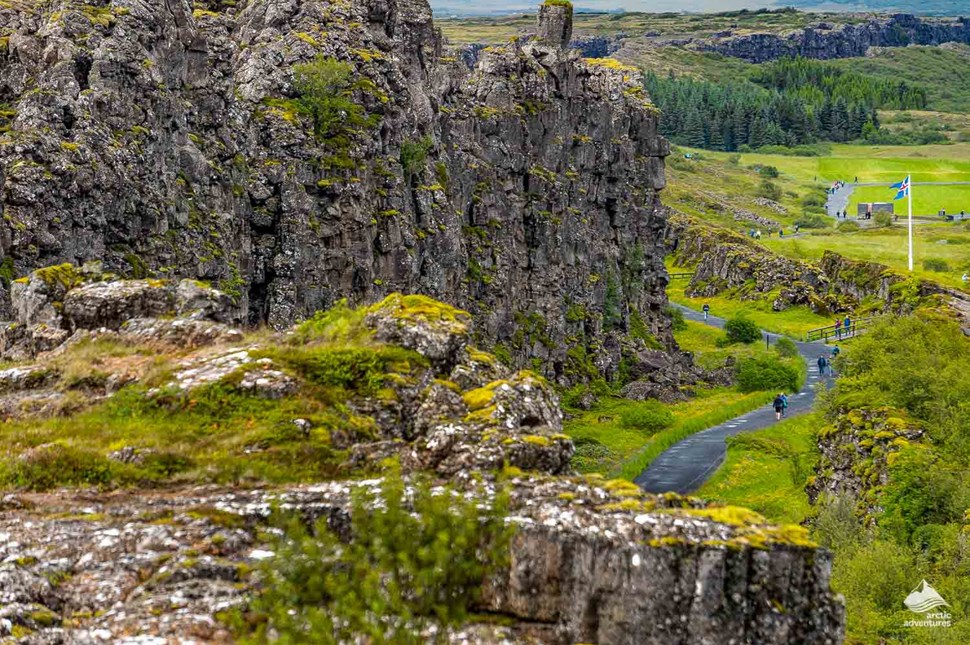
x=883 y=219
x=324 y=88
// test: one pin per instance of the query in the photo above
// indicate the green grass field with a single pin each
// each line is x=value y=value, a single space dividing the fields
x=948 y=242
x=927 y=200
x=871 y=164
x=766 y=470
x=794 y=322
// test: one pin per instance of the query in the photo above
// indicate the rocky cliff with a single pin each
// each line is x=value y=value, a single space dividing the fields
x=825 y=40
x=162 y=137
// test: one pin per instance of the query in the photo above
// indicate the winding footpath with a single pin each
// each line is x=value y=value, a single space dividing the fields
x=686 y=465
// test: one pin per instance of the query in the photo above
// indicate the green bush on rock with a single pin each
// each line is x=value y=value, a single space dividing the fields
x=401 y=572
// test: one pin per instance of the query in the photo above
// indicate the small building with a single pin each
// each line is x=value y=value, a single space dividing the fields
x=867 y=208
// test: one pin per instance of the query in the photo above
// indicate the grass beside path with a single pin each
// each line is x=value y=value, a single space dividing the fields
x=767 y=470
x=794 y=322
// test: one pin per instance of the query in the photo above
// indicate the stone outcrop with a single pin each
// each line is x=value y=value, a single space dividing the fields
x=856 y=452
x=163 y=139
x=591 y=561
x=827 y=41
x=54 y=304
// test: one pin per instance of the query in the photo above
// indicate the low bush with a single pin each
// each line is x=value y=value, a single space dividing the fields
x=769 y=190
x=401 y=572
x=649 y=416
x=936 y=264
x=848 y=227
x=883 y=219
x=786 y=348
x=677 y=321
x=812 y=220
x=770 y=373
x=742 y=330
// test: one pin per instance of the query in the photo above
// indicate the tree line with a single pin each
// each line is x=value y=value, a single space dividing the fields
x=788 y=102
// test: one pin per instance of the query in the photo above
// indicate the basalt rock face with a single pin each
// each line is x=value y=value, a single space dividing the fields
x=163 y=141
x=825 y=41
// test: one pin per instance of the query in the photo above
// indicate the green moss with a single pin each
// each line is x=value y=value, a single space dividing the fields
x=424 y=309
x=65 y=275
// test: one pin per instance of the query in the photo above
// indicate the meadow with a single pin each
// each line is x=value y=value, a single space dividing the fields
x=927 y=199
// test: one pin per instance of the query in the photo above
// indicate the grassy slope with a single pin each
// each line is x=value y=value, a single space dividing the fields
x=713 y=179
x=766 y=470
x=943 y=71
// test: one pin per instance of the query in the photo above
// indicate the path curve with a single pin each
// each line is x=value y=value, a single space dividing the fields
x=686 y=465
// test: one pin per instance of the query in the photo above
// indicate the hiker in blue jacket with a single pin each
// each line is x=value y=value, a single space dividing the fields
x=784 y=404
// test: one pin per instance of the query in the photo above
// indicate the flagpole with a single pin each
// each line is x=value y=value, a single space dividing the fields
x=910 y=223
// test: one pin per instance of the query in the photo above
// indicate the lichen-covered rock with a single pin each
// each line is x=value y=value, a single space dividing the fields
x=434 y=330
x=591 y=561
x=856 y=452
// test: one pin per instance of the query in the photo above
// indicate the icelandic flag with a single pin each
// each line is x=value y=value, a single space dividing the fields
x=902 y=187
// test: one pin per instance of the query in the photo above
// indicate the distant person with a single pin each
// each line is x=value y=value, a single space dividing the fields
x=838 y=328
x=848 y=325
x=784 y=406
x=757 y=234
x=796 y=229
x=822 y=364
x=779 y=405
x=857 y=179
x=707 y=310
x=781 y=232
x=835 y=352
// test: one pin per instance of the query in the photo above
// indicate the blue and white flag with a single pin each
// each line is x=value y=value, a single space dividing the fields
x=902 y=187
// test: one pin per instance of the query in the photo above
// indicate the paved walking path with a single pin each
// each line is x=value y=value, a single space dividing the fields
x=686 y=465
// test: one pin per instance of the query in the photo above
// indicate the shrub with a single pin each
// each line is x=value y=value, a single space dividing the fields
x=401 y=571
x=936 y=264
x=813 y=220
x=768 y=171
x=883 y=219
x=677 y=321
x=742 y=330
x=324 y=87
x=55 y=465
x=649 y=416
x=769 y=190
x=848 y=227
x=759 y=374
x=786 y=348
x=414 y=154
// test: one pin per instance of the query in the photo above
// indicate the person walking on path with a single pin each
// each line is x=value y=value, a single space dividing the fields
x=838 y=328
x=784 y=402
x=847 y=324
x=779 y=405
x=707 y=310
x=822 y=362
